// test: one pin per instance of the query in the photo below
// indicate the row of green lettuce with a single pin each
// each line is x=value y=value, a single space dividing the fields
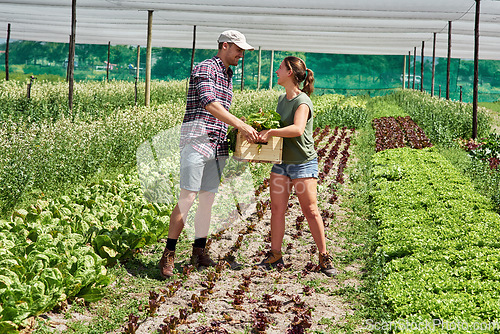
x=438 y=244
x=59 y=249
x=447 y=123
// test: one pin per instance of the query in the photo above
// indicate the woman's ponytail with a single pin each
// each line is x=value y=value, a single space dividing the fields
x=308 y=82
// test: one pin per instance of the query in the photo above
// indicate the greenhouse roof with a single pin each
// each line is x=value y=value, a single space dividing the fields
x=393 y=27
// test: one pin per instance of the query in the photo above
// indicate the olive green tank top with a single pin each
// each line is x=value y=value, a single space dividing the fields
x=300 y=149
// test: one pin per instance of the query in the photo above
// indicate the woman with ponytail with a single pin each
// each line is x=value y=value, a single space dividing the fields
x=300 y=164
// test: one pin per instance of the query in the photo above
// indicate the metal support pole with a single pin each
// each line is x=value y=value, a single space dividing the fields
x=271 y=73
x=409 y=68
x=192 y=57
x=460 y=93
x=7 y=54
x=67 y=65
x=449 y=62
x=414 y=65
x=194 y=48
x=476 y=70
x=404 y=71
x=422 y=67
x=259 y=68
x=107 y=65
x=71 y=60
x=148 y=60
x=32 y=78
x=433 y=64
x=137 y=70
x=243 y=71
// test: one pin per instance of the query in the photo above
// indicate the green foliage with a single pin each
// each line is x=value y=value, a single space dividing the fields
x=382 y=108
x=482 y=165
x=250 y=101
x=438 y=239
x=41 y=157
x=47 y=148
x=57 y=152
x=495 y=106
x=57 y=249
x=264 y=120
x=490 y=147
x=25 y=77
x=442 y=120
x=91 y=100
x=338 y=110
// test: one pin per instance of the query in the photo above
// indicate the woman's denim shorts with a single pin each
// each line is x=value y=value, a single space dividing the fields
x=299 y=171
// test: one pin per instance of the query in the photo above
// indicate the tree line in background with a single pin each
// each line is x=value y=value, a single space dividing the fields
x=335 y=73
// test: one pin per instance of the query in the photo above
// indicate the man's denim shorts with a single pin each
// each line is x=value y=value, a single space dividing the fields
x=198 y=172
x=300 y=171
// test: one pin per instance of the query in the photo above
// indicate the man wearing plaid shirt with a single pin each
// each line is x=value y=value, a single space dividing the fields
x=204 y=145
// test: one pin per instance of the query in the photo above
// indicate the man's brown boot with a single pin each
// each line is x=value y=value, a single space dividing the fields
x=167 y=263
x=200 y=258
x=326 y=266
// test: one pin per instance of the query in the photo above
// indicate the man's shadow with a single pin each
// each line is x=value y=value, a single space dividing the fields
x=147 y=269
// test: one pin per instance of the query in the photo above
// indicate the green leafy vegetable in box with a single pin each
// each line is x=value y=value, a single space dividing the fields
x=264 y=120
x=261 y=120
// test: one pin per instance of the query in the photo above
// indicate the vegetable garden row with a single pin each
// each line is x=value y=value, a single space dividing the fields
x=435 y=254
x=259 y=301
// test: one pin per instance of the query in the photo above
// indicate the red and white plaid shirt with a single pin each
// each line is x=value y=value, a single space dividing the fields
x=209 y=82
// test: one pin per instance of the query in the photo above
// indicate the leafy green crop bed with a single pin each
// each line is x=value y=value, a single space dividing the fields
x=438 y=240
x=58 y=249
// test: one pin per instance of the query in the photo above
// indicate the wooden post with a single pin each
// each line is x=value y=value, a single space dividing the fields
x=71 y=60
x=259 y=66
x=107 y=65
x=422 y=67
x=148 y=59
x=449 y=62
x=192 y=58
x=7 y=54
x=433 y=64
x=409 y=68
x=243 y=71
x=414 y=65
x=271 y=73
x=137 y=70
x=404 y=71
x=476 y=70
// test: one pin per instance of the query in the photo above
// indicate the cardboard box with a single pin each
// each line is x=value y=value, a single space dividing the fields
x=267 y=152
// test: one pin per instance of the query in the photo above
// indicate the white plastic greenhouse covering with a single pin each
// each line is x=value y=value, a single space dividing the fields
x=380 y=27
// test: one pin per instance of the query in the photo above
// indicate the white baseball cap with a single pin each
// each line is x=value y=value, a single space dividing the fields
x=236 y=37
